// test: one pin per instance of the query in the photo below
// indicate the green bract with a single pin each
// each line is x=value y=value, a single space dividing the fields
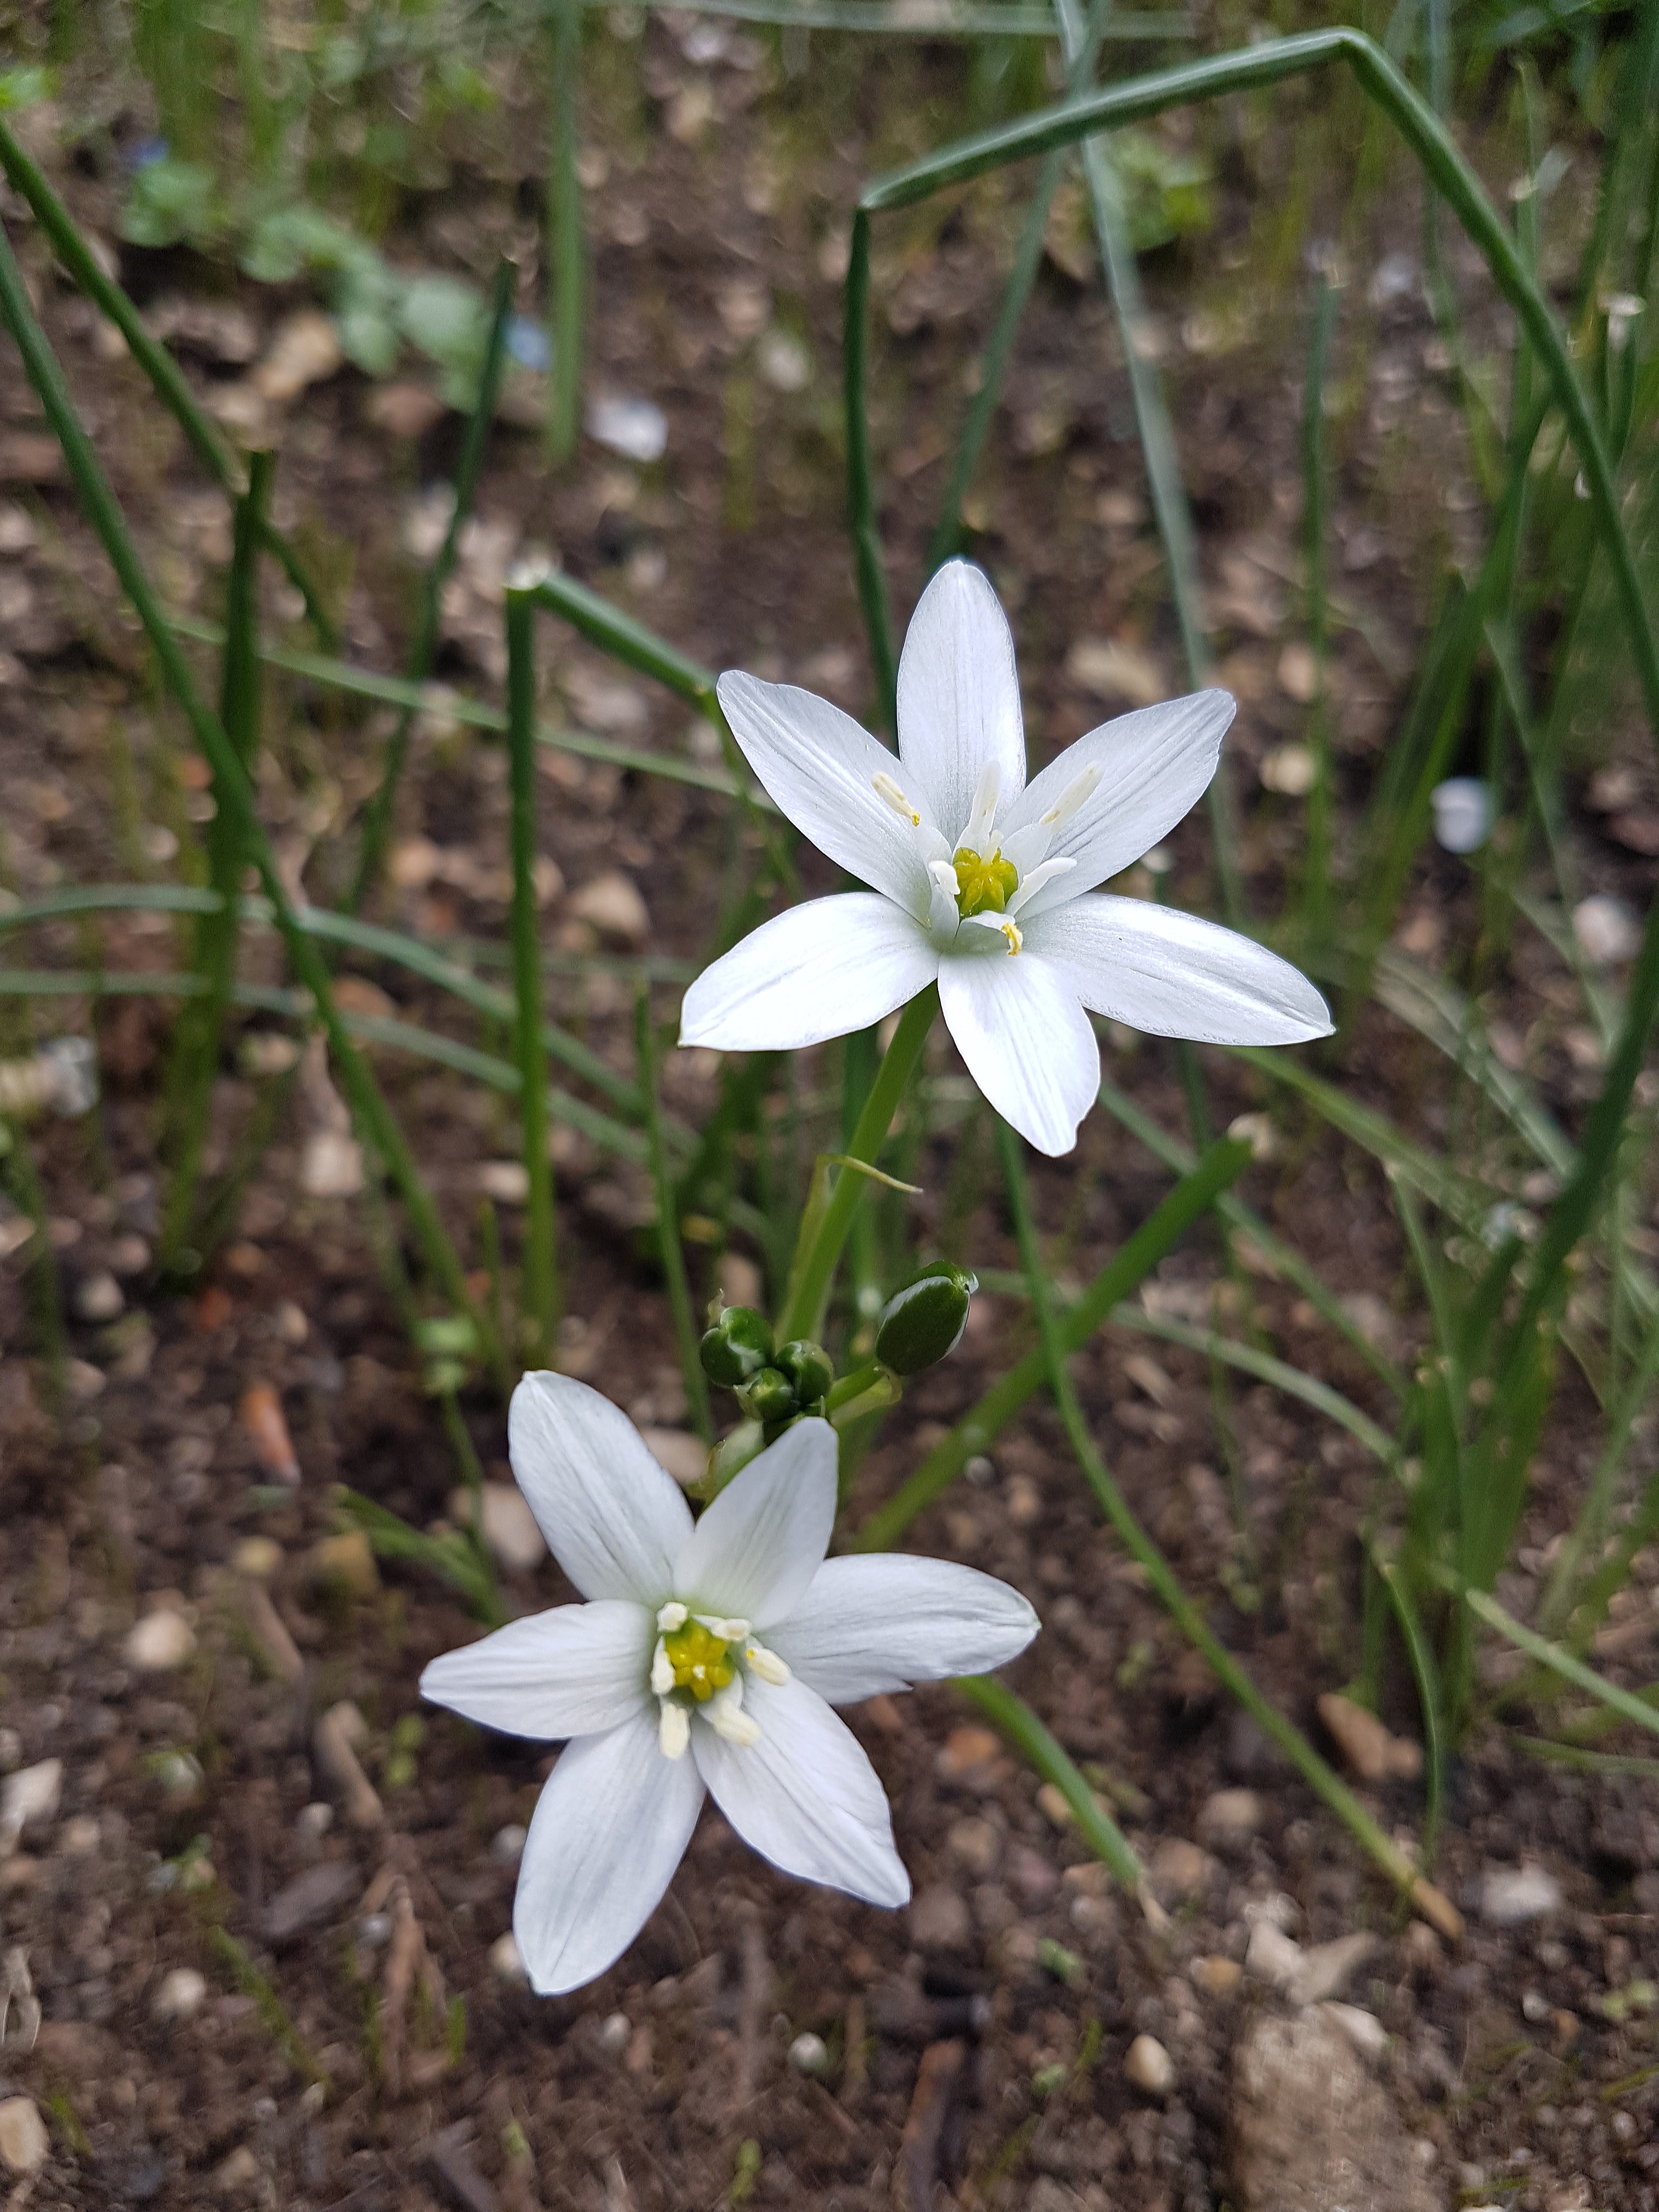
x=922 y=1322
x=737 y=1347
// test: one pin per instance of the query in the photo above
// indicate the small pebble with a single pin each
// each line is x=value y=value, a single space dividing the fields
x=977 y=1845
x=940 y=1920
x=1535 y=2006
x=685 y=1457
x=1273 y=1956
x=1290 y=770
x=160 y=1642
x=314 y=1820
x=1148 y=2067
x=509 y=1527
x=966 y=1754
x=346 y=1563
x=1179 y=1869
x=1052 y=1805
x=612 y=903
x=1325 y=1967
x=1511 y=1896
x=980 y=1472
x=31 y=1794
x=809 y=2054
x=507 y=1845
x=1607 y=932
x=258 y=1558
x=1217 y=1976
x=24 y=2143
x=1231 y=1816
x=98 y=1297
x=235 y=2175
x=505 y=1962
x=615 y=2033
x=1363 y=2029
x=78 y=1839
x=1463 y=813
x=181 y=1994
x=373 y=1929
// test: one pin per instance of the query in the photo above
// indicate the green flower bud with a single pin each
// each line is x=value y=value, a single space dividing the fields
x=769 y=1397
x=922 y=1322
x=737 y=1347
x=808 y=1367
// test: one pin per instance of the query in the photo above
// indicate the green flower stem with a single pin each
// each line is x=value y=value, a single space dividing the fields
x=823 y=1240
x=1166 y=1584
x=670 y=1249
x=373 y=1117
x=378 y=818
x=538 y=1275
x=1015 y=1718
x=58 y=226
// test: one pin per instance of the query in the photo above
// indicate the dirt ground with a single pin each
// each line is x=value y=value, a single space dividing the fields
x=355 y=2037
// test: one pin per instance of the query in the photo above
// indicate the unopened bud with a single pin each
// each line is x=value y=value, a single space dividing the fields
x=808 y=1367
x=768 y=1397
x=737 y=1347
x=922 y=1322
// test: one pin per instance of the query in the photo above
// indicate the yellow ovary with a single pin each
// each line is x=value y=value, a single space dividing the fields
x=699 y=1661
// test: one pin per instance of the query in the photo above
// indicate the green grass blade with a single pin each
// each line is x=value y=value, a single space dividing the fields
x=1431 y=1703
x=1129 y=1265
x=1316 y=867
x=374 y=1118
x=566 y=249
x=539 y=1269
x=166 y=378
x=1589 y=1528
x=195 y=1059
x=378 y=817
x=1561 y=1661
x=861 y=518
x=1244 y=1221
x=1162 y=1579
x=1254 y=68
x=670 y=1249
x=1014 y=1717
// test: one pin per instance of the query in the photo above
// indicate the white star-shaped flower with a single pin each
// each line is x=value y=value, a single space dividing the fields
x=707 y=1658
x=979 y=878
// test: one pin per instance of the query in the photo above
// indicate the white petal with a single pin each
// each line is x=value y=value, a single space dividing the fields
x=958 y=696
x=570 y=1672
x=756 y=1550
x=805 y=1796
x=881 y=1622
x=613 y=1519
x=820 y=970
x=820 y=767
x=1155 y=766
x=610 y=1829
x=1159 y=969
x=1027 y=1042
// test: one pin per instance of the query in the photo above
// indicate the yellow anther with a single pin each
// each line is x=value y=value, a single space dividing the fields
x=698 y=1661
x=984 y=884
x=887 y=789
x=1016 y=942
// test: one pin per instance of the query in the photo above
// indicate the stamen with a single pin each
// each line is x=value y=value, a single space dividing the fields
x=673 y=1615
x=729 y=1631
x=662 y=1670
x=1071 y=798
x=726 y=1716
x=887 y=789
x=767 y=1664
x=673 y=1731
x=1031 y=884
x=1016 y=942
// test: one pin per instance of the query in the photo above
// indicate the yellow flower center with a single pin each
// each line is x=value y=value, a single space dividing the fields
x=984 y=884
x=699 y=1661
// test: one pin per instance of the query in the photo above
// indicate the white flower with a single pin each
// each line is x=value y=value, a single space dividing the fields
x=978 y=877
x=707 y=1657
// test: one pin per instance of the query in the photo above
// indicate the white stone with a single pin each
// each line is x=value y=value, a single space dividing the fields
x=508 y=1182
x=1150 y=2066
x=1463 y=813
x=809 y=2054
x=1273 y=1957
x=1511 y=1896
x=508 y=1524
x=507 y=1845
x=181 y=1994
x=1607 y=932
x=637 y=428
x=612 y=903
x=31 y=1794
x=160 y=1642
x=78 y=1839
x=1291 y=770
x=98 y=1298
x=504 y=1961
x=615 y=2030
x=25 y=2145
x=1363 y=2029
x=1324 y=1967
x=331 y=1165
x=314 y=1820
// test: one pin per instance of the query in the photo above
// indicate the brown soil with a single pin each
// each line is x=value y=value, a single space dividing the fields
x=977 y=2041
